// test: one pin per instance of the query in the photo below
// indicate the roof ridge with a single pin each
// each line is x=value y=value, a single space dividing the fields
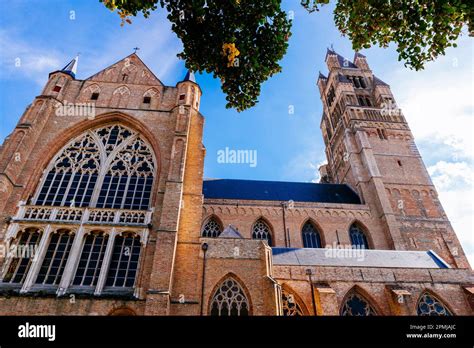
x=276 y=181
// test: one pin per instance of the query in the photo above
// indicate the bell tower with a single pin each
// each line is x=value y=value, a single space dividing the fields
x=370 y=147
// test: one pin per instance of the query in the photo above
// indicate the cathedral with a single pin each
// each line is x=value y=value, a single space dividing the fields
x=104 y=209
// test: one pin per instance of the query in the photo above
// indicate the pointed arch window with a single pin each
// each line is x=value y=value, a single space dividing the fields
x=356 y=305
x=430 y=305
x=261 y=230
x=124 y=263
x=23 y=253
x=311 y=236
x=229 y=300
x=358 y=237
x=150 y=96
x=92 y=256
x=92 y=92
x=212 y=228
x=71 y=177
x=56 y=256
x=291 y=307
x=107 y=167
x=128 y=181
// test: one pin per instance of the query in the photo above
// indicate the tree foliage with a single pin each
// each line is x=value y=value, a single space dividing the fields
x=422 y=29
x=241 y=41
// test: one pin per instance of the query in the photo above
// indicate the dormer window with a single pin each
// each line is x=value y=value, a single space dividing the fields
x=124 y=77
x=95 y=96
x=146 y=100
x=57 y=88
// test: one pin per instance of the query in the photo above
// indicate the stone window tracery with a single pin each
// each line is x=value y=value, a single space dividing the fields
x=262 y=231
x=356 y=305
x=291 y=307
x=212 y=228
x=229 y=300
x=311 y=236
x=73 y=174
x=430 y=305
x=123 y=90
x=108 y=167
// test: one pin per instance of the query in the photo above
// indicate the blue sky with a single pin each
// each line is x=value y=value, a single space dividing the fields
x=437 y=102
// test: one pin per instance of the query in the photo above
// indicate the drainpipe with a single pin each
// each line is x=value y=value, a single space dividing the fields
x=283 y=206
x=309 y=273
x=204 y=248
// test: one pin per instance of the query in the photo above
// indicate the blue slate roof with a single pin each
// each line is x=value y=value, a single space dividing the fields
x=378 y=81
x=343 y=62
x=321 y=76
x=279 y=191
x=190 y=76
x=343 y=78
x=357 y=258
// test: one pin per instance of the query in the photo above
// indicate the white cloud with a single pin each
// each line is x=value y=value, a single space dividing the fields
x=449 y=175
x=454 y=182
x=23 y=59
x=438 y=106
x=158 y=44
x=438 y=101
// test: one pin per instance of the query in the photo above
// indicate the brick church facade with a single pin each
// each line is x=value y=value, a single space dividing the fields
x=104 y=209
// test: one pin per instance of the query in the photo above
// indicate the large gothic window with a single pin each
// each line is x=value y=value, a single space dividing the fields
x=108 y=167
x=261 y=230
x=71 y=178
x=23 y=252
x=229 y=300
x=430 y=305
x=55 y=259
x=311 y=236
x=212 y=228
x=356 y=305
x=291 y=307
x=124 y=262
x=358 y=237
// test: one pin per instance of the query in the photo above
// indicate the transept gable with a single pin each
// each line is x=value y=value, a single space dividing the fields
x=129 y=70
